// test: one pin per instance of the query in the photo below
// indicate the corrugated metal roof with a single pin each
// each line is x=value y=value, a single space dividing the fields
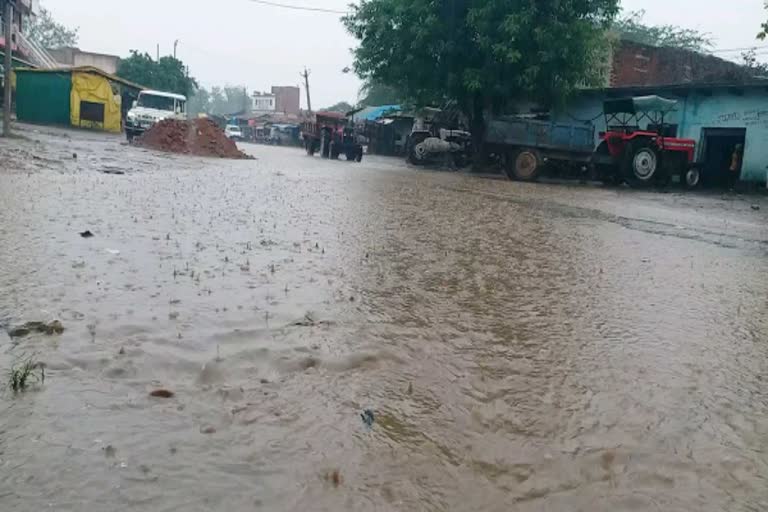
x=84 y=69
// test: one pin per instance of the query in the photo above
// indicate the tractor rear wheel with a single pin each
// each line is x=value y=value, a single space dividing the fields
x=641 y=163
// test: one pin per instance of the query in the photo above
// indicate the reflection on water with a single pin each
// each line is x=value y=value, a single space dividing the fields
x=524 y=347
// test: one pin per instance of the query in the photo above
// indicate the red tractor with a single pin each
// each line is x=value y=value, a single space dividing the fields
x=648 y=155
x=331 y=135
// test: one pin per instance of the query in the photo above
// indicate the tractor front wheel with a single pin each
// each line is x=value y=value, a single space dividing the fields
x=641 y=163
x=691 y=178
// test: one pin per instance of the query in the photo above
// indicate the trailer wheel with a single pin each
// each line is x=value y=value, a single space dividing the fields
x=309 y=144
x=525 y=165
x=641 y=163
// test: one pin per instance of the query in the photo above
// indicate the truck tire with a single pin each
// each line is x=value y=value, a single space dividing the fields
x=641 y=163
x=524 y=165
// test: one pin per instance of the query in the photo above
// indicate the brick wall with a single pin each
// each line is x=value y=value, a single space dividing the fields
x=287 y=99
x=637 y=65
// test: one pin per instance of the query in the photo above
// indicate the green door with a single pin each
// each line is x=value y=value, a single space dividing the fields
x=43 y=97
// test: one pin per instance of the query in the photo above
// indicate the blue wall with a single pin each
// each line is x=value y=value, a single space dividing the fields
x=719 y=108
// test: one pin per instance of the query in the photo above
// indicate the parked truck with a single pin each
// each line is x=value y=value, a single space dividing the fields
x=330 y=134
x=641 y=156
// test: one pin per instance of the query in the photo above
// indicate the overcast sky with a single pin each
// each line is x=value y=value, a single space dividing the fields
x=240 y=42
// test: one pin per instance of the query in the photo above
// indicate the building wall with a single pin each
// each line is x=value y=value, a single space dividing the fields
x=636 y=65
x=76 y=57
x=696 y=110
x=288 y=99
x=263 y=103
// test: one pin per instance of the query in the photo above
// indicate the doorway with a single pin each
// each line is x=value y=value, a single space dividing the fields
x=716 y=153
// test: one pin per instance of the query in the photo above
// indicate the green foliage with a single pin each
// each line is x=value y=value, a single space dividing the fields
x=167 y=74
x=373 y=93
x=630 y=27
x=480 y=53
x=763 y=27
x=341 y=106
x=46 y=32
x=221 y=101
x=749 y=61
x=24 y=373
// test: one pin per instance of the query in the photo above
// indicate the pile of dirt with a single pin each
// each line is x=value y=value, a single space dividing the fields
x=200 y=137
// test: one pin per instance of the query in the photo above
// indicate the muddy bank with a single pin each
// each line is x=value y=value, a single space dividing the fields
x=199 y=137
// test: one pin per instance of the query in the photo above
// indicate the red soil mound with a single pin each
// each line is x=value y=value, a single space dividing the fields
x=200 y=137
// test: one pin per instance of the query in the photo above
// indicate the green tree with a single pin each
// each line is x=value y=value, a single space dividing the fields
x=46 y=32
x=200 y=102
x=237 y=100
x=167 y=74
x=372 y=93
x=341 y=106
x=481 y=53
x=218 y=101
x=630 y=27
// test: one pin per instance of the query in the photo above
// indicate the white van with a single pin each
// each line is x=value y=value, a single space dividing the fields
x=152 y=107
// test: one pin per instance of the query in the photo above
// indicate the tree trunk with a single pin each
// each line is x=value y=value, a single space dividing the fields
x=477 y=126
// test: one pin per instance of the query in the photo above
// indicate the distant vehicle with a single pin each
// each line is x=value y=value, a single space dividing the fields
x=331 y=135
x=233 y=132
x=152 y=107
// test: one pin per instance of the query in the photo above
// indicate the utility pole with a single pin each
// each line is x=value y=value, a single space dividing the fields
x=7 y=66
x=158 y=51
x=175 y=44
x=305 y=76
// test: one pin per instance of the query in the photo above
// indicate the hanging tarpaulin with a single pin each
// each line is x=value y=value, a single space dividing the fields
x=94 y=103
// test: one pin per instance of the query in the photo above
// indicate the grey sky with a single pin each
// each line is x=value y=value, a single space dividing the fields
x=240 y=42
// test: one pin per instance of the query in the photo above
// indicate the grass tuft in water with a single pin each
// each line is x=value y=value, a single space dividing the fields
x=25 y=373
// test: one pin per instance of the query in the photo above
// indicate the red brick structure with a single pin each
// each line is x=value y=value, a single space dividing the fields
x=287 y=99
x=638 y=65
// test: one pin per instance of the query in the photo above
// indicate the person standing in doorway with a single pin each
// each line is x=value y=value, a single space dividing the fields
x=734 y=170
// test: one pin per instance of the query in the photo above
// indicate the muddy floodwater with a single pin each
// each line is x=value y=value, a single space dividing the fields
x=520 y=347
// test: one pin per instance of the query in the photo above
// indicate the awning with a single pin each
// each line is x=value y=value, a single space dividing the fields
x=639 y=104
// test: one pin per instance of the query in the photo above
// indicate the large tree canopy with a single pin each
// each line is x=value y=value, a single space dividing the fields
x=46 y=32
x=167 y=74
x=630 y=27
x=480 y=53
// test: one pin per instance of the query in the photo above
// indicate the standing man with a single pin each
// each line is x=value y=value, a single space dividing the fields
x=734 y=171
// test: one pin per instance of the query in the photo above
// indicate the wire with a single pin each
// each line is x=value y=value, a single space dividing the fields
x=298 y=7
x=747 y=48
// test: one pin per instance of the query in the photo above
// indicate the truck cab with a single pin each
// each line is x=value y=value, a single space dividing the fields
x=152 y=107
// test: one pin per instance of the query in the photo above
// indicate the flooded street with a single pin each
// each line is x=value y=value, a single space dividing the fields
x=527 y=347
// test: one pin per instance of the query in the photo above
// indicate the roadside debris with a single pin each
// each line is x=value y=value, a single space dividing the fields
x=49 y=328
x=755 y=207
x=368 y=417
x=208 y=430
x=162 y=393
x=200 y=137
x=86 y=234
x=333 y=477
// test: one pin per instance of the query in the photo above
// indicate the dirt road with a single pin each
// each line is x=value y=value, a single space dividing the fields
x=522 y=347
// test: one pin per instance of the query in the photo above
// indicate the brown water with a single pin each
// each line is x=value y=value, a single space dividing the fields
x=523 y=347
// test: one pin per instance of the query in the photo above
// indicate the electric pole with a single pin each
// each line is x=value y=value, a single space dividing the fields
x=175 y=44
x=7 y=67
x=305 y=76
x=158 y=51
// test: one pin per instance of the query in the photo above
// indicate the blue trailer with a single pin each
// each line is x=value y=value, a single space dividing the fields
x=525 y=144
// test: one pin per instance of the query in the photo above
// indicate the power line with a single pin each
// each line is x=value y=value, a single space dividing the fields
x=298 y=7
x=745 y=49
